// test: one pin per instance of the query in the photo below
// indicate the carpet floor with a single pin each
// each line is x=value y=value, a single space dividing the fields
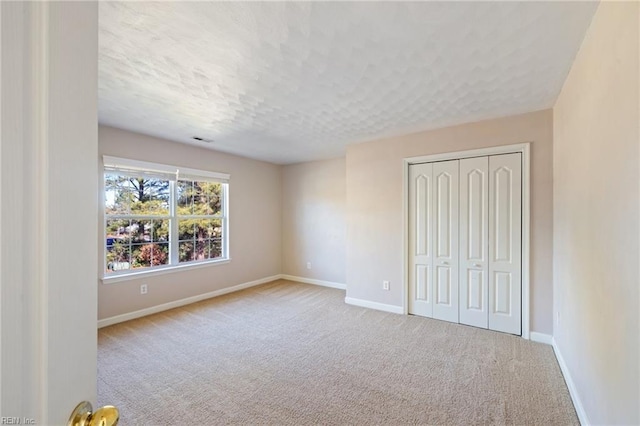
x=286 y=353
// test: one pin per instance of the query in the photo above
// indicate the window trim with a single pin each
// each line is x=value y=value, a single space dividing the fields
x=113 y=165
x=162 y=270
x=126 y=164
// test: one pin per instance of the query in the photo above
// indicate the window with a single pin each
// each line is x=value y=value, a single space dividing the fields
x=200 y=220
x=159 y=216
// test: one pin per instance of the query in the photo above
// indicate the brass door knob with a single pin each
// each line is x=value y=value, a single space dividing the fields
x=82 y=415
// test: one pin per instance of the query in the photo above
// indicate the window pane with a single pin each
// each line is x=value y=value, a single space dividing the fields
x=202 y=250
x=199 y=229
x=193 y=243
x=161 y=254
x=200 y=239
x=199 y=198
x=160 y=230
x=185 y=251
x=118 y=231
x=149 y=230
x=215 y=248
x=136 y=195
x=214 y=197
x=215 y=228
x=118 y=257
x=199 y=205
x=137 y=259
x=185 y=197
x=186 y=229
x=147 y=255
x=138 y=229
x=118 y=200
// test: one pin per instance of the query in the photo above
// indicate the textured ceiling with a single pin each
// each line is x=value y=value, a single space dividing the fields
x=291 y=82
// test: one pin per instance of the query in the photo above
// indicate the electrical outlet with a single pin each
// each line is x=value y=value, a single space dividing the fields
x=385 y=285
x=308 y=265
x=143 y=289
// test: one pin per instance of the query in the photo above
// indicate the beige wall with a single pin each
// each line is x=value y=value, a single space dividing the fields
x=254 y=221
x=596 y=216
x=374 y=204
x=314 y=220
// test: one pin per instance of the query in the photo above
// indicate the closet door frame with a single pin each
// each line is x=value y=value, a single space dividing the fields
x=523 y=148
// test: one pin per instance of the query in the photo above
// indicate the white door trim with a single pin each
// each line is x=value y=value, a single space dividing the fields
x=523 y=148
x=49 y=148
x=23 y=138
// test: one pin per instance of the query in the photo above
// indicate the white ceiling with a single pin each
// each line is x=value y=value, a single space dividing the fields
x=291 y=82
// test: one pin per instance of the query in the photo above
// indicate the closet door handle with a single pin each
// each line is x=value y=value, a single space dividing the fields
x=477 y=265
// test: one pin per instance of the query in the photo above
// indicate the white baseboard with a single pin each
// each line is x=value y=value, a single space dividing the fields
x=547 y=339
x=575 y=397
x=313 y=281
x=374 y=305
x=182 y=302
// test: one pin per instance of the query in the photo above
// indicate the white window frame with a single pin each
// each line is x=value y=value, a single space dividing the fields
x=173 y=174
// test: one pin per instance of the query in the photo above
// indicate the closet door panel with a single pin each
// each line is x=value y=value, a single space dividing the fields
x=505 y=241
x=474 y=246
x=421 y=239
x=445 y=233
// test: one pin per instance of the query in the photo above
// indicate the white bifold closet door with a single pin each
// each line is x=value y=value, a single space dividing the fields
x=505 y=243
x=445 y=232
x=421 y=239
x=433 y=240
x=474 y=241
x=465 y=241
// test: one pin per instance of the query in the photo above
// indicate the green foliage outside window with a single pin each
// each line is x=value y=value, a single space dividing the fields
x=199 y=238
x=133 y=242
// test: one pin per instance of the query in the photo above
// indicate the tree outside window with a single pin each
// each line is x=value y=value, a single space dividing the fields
x=157 y=222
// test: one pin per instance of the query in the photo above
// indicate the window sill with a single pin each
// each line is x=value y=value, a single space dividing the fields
x=108 y=279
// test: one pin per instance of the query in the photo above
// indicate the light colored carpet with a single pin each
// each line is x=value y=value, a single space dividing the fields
x=285 y=353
